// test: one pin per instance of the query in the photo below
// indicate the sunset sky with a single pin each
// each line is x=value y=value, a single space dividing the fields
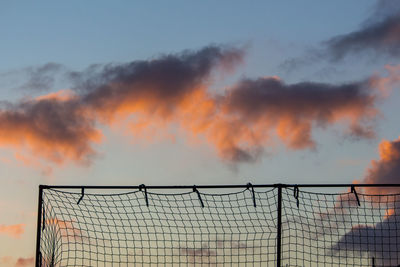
x=227 y=92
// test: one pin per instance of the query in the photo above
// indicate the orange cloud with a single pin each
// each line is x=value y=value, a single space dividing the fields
x=386 y=170
x=62 y=95
x=254 y=112
x=385 y=84
x=62 y=126
x=172 y=92
x=6 y=260
x=13 y=230
x=20 y=262
x=35 y=163
x=51 y=128
x=67 y=228
x=389 y=212
x=24 y=262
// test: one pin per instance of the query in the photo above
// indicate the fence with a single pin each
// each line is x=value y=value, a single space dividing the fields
x=219 y=225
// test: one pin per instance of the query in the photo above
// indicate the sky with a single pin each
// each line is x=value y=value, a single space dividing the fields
x=227 y=92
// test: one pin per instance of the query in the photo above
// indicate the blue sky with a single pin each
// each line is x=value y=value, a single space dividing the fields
x=77 y=34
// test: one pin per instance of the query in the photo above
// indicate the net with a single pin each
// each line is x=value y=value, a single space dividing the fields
x=346 y=229
x=157 y=229
x=200 y=228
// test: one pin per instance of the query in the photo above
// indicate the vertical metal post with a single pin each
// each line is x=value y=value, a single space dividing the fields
x=38 y=229
x=279 y=228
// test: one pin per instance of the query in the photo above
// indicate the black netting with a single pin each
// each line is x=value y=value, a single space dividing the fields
x=173 y=230
x=347 y=229
x=219 y=229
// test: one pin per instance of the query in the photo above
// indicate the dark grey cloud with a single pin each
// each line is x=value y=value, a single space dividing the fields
x=162 y=82
x=380 y=38
x=35 y=78
x=379 y=241
x=377 y=36
x=212 y=252
x=42 y=78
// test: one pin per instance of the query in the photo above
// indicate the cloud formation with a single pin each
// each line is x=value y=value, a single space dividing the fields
x=379 y=241
x=255 y=110
x=173 y=91
x=380 y=34
x=12 y=230
x=67 y=229
x=54 y=127
x=213 y=252
x=386 y=170
x=43 y=77
x=380 y=38
x=24 y=262
x=20 y=262
x=34 y=78
x=62 y=126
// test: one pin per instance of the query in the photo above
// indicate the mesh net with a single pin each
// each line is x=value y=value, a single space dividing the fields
x=183 y=229
x=219 y=229
x=346 y=229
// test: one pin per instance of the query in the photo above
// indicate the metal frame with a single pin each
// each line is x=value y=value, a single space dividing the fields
x=279 y=186
x=209 y=186
x=38 y=232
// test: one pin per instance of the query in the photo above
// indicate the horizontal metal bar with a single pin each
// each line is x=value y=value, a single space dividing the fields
x=211 y=186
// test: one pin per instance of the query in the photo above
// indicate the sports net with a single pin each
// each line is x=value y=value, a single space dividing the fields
x=342 y=229
x=169 y=228
x=182 y=229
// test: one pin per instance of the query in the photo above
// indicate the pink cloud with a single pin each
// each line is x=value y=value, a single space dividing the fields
x=13 y=230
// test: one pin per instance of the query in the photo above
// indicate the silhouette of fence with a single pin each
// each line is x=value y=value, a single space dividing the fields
x=218 y=225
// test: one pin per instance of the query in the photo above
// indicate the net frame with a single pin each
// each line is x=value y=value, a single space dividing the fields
x=296 y=219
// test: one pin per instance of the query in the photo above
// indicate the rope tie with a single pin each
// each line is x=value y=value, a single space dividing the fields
x=198 y=195
x=249 y=185
x=143 y=187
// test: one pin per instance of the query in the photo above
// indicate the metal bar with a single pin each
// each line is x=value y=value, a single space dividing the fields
x=150 y=187
x=213 y=186
x=279 y=229
x=38 y=228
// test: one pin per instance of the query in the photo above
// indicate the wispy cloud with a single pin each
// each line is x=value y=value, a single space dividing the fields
x=34 y=78
x=213 y=252
x=20 y=262
x=24 y=262
x=12 y=230
x=377 y=36
x=67 y=229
